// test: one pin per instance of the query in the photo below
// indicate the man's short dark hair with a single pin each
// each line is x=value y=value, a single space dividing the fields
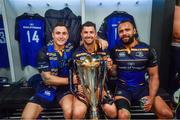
x=88 y=24
x=60 y=24
x=128 y=20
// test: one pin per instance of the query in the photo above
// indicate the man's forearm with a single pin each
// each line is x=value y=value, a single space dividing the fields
x=153 y=86
x=113 y=71
x=54 y=80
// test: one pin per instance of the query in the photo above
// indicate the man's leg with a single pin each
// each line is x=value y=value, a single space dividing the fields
x=31 y=111
x=80 y=104
x=123 y=106
x=79 y=109
x=110 y=110
x=162 y=110
x=66 y=104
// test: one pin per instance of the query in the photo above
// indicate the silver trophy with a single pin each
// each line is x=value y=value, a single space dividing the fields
x=92 y=72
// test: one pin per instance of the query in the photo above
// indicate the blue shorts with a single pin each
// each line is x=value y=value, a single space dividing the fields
x=133 y=94
x=41 y=102
x=60 y=93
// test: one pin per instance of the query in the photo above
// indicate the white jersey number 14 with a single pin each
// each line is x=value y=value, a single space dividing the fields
x=35 y=37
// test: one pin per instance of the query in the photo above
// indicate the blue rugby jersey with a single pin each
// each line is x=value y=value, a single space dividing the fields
x=4 y=61
x=132 y=67
x=50 y=60
x=30 y=32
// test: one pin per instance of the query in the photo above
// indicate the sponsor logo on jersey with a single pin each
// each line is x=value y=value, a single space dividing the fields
x=43 y=66
x=131 y=63
x=139 y=54
x=51 y=54
x=122 y=54
x=146 y=76
x=114 y=25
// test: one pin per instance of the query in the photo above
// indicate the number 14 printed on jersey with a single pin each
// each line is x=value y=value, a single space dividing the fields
x=35 y=36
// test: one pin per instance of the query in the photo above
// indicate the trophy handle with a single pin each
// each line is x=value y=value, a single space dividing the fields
x=72 y=67
x=71 y=80
x=103 y=78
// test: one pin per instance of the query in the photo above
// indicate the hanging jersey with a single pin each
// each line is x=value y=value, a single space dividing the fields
x=4 y=61
x=30 y=32
x=132 y=67
x=109 y=28
x=67 y=17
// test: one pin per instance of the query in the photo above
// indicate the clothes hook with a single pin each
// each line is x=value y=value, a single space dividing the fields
x=137 y=2
x=100 y=4
x=66 y=4
x=47 y=4
x=29 y=5
x=118 y=3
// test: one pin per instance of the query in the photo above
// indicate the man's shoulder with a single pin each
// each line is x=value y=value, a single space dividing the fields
x=42 y=54
x=118 y=47
x=80 y=48
x=77 y=51
x=143 y=44
x=43 y=49
x=50 y=43
x=146 y=46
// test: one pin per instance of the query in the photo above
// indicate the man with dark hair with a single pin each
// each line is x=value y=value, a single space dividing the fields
x=137 y=73
x=89 y=48
x=53 y=66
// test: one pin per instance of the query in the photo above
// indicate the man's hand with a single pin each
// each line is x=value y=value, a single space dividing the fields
x=76 y=79
x=103 y=43
x=109 y=63
x=148 y=105
x=46 y=77
x=50 y=79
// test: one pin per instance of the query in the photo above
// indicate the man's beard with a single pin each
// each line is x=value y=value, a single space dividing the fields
x=131 y=39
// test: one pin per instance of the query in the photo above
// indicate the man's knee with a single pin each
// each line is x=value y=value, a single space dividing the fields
x=110 y=110
x=166 y=113
x=31 y=111
x=162 y=109
x=79 y=112
x=124 y=114
x=123 y=108
x=68 y=114
x=122 y=103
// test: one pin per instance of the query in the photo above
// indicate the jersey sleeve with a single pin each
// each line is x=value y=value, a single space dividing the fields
x=153 y=60
x=16 y=29
x=113 y=55
x=43 y=61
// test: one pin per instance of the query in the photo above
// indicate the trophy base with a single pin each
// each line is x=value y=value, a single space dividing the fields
x=94 y=115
